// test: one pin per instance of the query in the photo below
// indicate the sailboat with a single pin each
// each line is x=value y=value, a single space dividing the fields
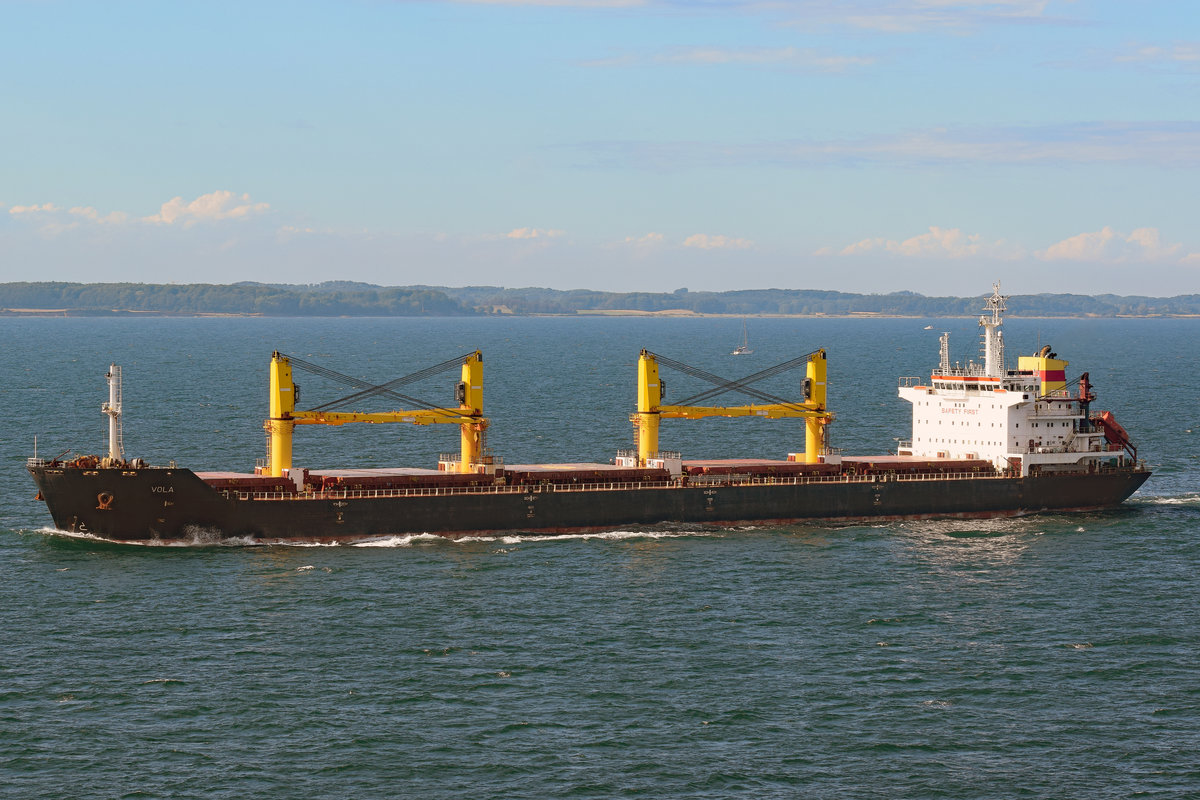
x=743 y=349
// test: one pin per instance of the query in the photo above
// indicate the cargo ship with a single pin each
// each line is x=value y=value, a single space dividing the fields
x=987 y=441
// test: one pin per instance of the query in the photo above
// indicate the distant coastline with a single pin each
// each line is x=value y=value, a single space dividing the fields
x=352 y=299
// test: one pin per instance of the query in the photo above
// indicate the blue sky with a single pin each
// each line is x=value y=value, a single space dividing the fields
x=923 y=145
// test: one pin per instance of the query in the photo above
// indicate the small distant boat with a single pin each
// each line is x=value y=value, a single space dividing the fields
x=928 y=327
x=743 y=349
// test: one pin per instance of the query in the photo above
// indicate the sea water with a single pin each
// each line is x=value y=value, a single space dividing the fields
x=1046 y=656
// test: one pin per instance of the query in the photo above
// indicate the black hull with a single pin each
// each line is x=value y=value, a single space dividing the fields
x=173 y=505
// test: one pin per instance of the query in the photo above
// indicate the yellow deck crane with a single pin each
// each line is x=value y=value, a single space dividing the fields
x=284 y=417
x=651 y=410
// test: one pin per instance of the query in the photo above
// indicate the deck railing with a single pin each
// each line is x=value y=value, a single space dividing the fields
x=715 y=482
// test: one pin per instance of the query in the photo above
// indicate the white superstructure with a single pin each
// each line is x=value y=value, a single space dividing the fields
x=1021 y=419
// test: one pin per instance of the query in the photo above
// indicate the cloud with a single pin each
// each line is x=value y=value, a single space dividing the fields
x=1143 y=245
x=217 y=205
x=265 y=248
x=50 y=218
x=918 y=15
x=1109 y=246
x=792 y=57
x=89 y=213
x=704 y=241
x=212 y=206
x=532 y=233
x=1169 y=144
x=657 y=242
x=1179 y=54
x=558 y=3
x=44 y=208
x=51 y=210
x=649 y=240
x=880 y=16
x=949 y=243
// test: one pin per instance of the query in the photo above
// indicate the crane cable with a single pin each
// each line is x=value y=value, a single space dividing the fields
x=387 y=389
x=722 y=384
x=742 y=385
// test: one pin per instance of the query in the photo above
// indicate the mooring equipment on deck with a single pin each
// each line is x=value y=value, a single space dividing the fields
x=283 y=416
x=650 y=408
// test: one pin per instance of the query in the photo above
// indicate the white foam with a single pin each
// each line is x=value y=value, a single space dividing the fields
x=196 y=538
x=91 y=537
x=199 y=538
x=612 y=536
x=1190 y=499
x=67 y=534
x=407 y=540
x=996 y=528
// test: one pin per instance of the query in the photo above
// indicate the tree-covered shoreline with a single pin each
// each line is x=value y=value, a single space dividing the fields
x=346 y=298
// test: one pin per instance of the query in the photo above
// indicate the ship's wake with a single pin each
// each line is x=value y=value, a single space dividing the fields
x=196 y=538
x=981 y=528
x=208 y=538
x=410 y=540
x=1185 y=499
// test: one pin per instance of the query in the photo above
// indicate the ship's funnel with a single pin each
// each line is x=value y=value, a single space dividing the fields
x=1051 y=371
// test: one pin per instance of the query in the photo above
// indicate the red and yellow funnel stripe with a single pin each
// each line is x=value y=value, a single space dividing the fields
x=1052 y=372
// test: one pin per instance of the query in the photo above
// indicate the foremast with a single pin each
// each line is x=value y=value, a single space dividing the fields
x=116 y=445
